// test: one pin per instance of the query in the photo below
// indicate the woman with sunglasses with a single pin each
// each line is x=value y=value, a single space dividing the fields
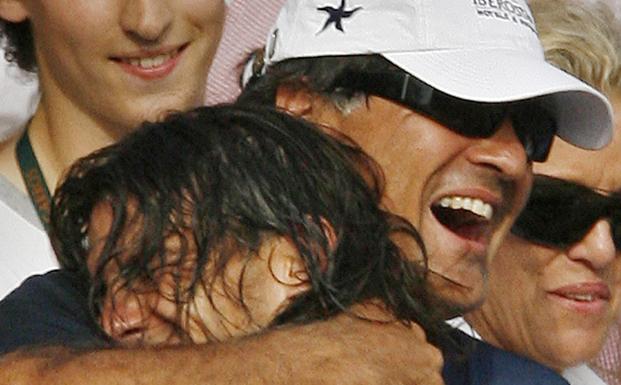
x=555 y=284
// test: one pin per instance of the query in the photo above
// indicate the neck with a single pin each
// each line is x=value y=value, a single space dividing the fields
x=494 y=332
x=59 y=137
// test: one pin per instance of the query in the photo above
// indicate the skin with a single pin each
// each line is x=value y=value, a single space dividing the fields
x=92 y=95
x=344 y=349
x=494 y=169
x=89 y=101
x=424 y=161
x=255 y=360
x=148 y=315
x=534 y=321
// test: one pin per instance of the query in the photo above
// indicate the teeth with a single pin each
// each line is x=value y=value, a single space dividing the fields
x=473 y=205
x=457 y=203
x=468 y=204
x=581 y=297
x=150 y=62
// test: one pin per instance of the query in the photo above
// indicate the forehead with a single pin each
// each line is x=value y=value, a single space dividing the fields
x=100 y=223
x=597 y=169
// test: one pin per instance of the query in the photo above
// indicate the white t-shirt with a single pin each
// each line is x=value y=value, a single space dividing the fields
x=26 y=249
x=18 y=97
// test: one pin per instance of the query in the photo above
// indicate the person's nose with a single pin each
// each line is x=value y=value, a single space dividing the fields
x=503 y=151
x=146 y=20
x=596 y=248
x=126 y=315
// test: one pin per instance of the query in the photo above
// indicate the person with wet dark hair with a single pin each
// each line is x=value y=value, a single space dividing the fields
x=470 y=105
x=224 y=221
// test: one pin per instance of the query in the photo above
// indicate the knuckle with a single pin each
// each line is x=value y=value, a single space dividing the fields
x=436 y=357
x=417 y=330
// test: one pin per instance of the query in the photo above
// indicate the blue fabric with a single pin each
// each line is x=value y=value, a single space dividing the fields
x=49 y=309
x=52 y=309
x=474 y=362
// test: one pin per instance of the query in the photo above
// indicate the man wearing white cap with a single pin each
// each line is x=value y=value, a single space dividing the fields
x=454 y=100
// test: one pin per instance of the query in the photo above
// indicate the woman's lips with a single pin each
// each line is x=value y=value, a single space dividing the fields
x=585 y=298
x=152 y=64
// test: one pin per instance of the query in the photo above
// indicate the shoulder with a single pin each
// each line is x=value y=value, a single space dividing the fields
x=46 y=310
x=471 y=361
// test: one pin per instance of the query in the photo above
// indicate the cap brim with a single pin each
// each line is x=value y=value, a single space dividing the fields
x=584 y=116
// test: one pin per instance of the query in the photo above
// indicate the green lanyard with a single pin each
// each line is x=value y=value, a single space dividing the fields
x=34 y=180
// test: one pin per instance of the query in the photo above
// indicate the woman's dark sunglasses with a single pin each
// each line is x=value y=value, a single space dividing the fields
x=559 y=213
x=533 y=124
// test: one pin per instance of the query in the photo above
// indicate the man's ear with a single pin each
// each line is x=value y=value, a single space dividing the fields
x=13 y=11
x=287 y=266
x=296 y=100
x=329 y=232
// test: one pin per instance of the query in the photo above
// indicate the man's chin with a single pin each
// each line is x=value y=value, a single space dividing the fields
x=455 y=299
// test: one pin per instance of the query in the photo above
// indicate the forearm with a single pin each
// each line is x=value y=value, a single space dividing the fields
x=340 y=351
x=204 y=364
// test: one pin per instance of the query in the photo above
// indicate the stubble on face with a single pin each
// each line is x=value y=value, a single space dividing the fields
x=423 y=162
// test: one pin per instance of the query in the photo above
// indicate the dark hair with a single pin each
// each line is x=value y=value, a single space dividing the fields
x=18 y=44
x=317 y=74
x=232 y=175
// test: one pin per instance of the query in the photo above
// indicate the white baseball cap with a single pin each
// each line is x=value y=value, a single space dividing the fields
x=478 y=50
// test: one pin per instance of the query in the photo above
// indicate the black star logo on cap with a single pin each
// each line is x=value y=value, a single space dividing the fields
x=337 y=15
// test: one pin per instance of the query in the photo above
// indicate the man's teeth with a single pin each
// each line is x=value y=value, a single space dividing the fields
x=150 y=62
x=473 y=205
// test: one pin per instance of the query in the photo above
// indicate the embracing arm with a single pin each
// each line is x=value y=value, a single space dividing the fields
x=343 y=350
x=51 y=310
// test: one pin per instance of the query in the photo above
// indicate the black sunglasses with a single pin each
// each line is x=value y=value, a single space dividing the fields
x=533 y=124
x=559 y=213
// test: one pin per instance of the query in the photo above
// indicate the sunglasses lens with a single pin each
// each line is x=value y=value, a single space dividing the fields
x=558 y=213
x=615 y=227
x=535 y=223
x=536 y=128
x=474 y=120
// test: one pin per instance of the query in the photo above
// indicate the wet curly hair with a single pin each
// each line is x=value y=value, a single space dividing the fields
x=231 y=176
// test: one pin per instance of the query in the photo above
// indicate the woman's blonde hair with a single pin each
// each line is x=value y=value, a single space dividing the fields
x=583 y=38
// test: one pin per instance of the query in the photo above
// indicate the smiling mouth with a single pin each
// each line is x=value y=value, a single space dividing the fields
x=145 y=62
x=467 y=217
x=582 y=297
x=584 y=293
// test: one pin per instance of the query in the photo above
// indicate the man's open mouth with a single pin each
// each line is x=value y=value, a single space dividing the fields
x=467 y=217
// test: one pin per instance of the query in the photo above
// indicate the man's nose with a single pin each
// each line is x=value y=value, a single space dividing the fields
x=596 y=248
x=503 y=151
x=125 y=315
x=146 y=20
